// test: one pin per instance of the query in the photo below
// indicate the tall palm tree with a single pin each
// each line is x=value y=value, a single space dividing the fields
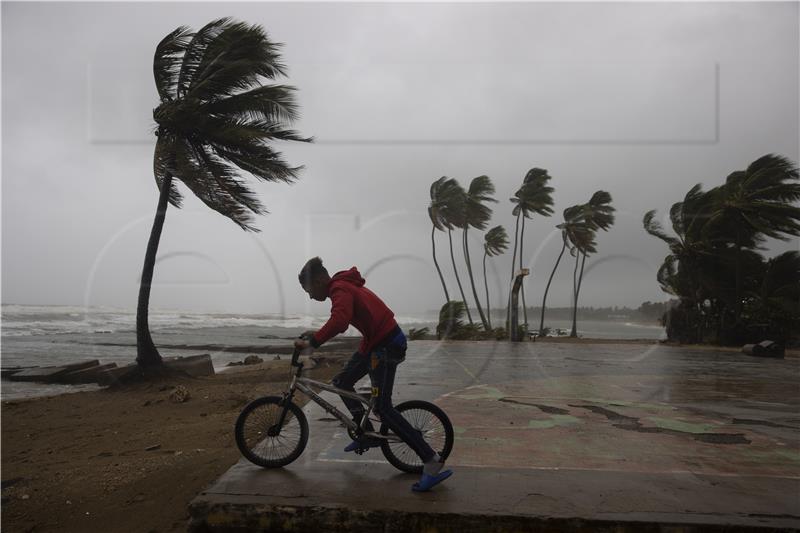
x=216 y=118
x=455 y=214
x=477 y=214
x=756 y=203
x=534 y=196
x=441 y=195
x=582 y=245
x=495 y=243
x=691 y=271
x=597 y=214
x=570 y=230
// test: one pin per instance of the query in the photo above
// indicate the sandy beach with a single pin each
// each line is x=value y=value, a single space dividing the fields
x=126 y=459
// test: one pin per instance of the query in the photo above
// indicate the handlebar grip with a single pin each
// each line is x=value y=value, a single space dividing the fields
x=295 y=356
x=296 y=352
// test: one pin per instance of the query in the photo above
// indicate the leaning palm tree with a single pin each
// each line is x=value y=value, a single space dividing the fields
x=570 y=234
x=455 y=215
x=597 y=214
x=534 y=196
x=216 y=118
x=477 y=214
x=582 y=245
x=441 y=195
x=757 y=203
x=495 y=243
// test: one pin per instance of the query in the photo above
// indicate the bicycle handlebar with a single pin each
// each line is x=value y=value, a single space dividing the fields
x=296 y=352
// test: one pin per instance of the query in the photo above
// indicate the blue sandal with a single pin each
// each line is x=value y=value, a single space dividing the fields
x=427 y=482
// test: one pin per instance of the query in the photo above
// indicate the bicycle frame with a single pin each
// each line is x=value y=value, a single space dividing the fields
x=305 y=385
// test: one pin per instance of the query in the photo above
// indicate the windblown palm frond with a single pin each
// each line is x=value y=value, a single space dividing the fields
x=495 y=241
x=217 y=118
x=477 y=214
x=535 y=195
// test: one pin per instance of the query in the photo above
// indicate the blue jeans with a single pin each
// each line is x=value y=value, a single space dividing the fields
x=381 y=366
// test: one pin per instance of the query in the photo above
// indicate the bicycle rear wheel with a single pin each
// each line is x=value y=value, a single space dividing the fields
x=434 y=426
x=262 y=442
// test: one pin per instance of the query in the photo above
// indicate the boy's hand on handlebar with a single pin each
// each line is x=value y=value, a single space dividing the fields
x=301 y=344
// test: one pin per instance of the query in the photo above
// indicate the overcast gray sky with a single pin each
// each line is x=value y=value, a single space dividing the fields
x=641 y=99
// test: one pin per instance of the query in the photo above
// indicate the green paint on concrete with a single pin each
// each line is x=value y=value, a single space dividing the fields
x=554 y=421
x=775 y=456
x=680 y=425
x=653 y=406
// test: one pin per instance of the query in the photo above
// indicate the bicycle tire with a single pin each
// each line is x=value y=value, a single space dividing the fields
x=436 y=429
x=270 y=451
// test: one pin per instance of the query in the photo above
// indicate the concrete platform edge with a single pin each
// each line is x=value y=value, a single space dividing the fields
x=235 y=514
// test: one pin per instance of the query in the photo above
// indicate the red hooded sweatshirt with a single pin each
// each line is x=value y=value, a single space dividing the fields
x=353 y=303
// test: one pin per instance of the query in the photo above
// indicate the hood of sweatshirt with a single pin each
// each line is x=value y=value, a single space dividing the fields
x=350 y=276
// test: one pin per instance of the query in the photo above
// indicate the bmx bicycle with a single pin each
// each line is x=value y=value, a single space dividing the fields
x=272 y=431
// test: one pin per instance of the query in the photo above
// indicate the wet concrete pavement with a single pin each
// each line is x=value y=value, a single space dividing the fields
x=552 y=436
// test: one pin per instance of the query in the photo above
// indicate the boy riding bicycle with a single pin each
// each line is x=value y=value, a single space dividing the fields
x=382 y=348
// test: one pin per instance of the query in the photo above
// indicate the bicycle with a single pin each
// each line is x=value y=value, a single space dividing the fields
x=272 y=431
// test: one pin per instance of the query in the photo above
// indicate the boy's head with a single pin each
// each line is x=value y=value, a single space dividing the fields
x=314 y=279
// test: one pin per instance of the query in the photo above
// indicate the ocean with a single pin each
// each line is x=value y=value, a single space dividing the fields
x=53 y=335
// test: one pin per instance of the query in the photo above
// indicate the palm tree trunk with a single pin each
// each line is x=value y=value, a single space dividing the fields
x=146 y=352
x=544 y=300
x=472 y=282
x=522 y=287
x=486 y=285
x=574 y=332
x=458 y=280
x=435 y=262
x=737 y=309
x=577 y=293
x=511 y=283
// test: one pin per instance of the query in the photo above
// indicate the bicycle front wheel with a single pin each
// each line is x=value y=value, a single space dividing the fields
x=434 y=427
x=260 y=439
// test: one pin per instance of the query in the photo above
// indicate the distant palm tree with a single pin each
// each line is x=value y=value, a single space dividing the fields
x=215 y=119
x=570 y=229
x=597 y=214
x=756 y=203
x=477 y=214
x=441 y=195
x=450 y=319
x=495 y=243
x=582 y=243
x=455 y=215
x=689 y=272
x=534 y=196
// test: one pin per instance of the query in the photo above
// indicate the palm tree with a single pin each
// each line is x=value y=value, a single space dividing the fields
x=477 y=214
x=441 y=195
x=689 y=249
x=450 y=320
x=215 y=119
x=756 y=203
x=534 y=196
x=775 y=301
x=692 y=270
x=455 y=214
x=597 y=214
x=583 y=243
x=570 y=230
x=495 y=243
